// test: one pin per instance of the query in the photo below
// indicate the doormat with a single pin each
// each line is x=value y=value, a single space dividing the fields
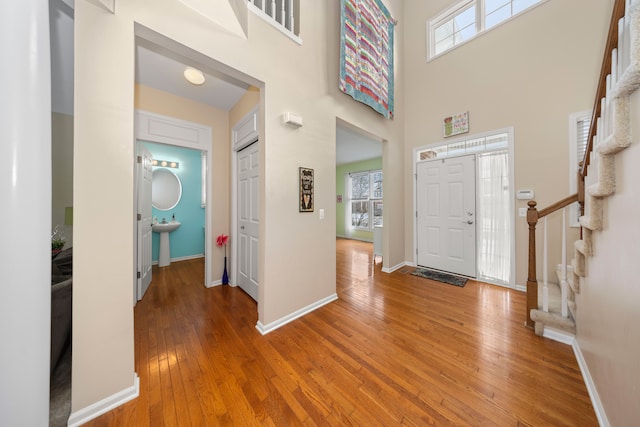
x=440 y=277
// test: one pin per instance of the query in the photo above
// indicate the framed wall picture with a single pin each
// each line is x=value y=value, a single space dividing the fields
x=456 y=124
x=306 y=189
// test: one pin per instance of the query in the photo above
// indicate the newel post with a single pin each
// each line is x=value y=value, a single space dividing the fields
x=532 y=281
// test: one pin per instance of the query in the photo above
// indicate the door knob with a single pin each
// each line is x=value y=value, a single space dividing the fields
x=467 y=222
x=242 y=227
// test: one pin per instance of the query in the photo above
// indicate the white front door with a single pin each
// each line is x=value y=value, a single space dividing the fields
x=248 y=218
x=446 y=215
x=144 y=220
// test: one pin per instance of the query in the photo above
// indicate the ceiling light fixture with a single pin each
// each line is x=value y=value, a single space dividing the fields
x=194 y=76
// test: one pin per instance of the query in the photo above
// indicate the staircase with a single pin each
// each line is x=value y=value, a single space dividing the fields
x=609 y=136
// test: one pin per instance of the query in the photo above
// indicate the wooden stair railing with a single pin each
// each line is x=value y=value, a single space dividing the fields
x=619 y=7
x=533 y=215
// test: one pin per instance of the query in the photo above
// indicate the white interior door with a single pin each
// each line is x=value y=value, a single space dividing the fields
x=446 y=215
x=248 y=218
x=144 y=220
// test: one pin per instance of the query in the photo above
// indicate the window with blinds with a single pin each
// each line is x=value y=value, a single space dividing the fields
x=469 y=18
x=579 y=125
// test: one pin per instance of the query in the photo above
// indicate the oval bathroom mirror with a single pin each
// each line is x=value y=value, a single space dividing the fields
x=166 y=189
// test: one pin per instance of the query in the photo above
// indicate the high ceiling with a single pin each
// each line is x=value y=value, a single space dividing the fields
x=163 y=70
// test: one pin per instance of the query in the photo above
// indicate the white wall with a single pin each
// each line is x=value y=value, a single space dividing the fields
x=297 y=252
x=25 y=188
x=530 y=73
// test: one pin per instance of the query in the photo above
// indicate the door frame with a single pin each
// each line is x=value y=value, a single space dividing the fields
x=243 y=133
x=181 y=133
x=510 y=132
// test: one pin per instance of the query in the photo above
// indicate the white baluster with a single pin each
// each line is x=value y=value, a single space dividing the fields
x=563 y=281
x=262 y=4
x=545 y=288
x=621 y=46
x=273 y=9
x=628 y=45
x=283 y=14
x=607 y=113
x=614 y=67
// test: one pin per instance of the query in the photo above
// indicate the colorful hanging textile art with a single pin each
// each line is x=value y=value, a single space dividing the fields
x=366 y=53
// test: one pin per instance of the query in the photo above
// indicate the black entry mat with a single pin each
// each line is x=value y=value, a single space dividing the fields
x=440 y=276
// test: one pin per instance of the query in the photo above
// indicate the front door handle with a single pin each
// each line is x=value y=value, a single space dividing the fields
x=467 y=222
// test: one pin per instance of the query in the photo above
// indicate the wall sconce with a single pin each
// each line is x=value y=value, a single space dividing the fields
x=165 y=163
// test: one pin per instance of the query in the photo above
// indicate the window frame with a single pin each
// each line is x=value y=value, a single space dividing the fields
x=574 y=160
x=370 y=200
x=480 y=23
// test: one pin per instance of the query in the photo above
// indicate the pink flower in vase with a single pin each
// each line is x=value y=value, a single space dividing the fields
x=222 y=240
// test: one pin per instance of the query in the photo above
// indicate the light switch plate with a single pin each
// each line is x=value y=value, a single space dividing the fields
x=523 y=212
x=321 y=213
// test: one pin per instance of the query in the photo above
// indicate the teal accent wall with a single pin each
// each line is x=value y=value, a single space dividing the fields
x=341 y=172
x=188 y=240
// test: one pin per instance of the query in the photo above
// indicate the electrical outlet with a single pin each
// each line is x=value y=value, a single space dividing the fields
x=523 y=212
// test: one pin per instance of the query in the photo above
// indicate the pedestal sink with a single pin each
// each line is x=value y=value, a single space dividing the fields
x=164 y=258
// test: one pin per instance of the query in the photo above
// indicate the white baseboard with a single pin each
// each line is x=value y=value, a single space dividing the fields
x=591 y=386
x=265 y=329
x=397 y=267
x=558 y=335
x=182 y=258
x=105 y=405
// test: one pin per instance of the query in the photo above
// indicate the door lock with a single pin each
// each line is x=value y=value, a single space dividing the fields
x=467 y=222
x=242 y=227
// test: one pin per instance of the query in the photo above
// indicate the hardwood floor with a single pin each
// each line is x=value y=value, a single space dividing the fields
x=395 y=349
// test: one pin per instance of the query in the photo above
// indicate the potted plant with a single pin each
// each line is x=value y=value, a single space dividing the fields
x=57 y=240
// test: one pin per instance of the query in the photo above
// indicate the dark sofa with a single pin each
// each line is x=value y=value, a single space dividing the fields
x=61 y=304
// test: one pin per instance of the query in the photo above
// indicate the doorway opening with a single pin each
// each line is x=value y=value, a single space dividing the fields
x=360 y=188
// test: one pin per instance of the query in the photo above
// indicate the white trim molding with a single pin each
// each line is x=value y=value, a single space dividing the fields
x=105 y=405
x=265 y=329
x=591 y=386
x=168 y=130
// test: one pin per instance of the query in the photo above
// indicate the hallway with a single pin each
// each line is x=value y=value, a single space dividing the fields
x=395 y=349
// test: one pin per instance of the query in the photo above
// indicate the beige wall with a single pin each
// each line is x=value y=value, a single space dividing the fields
x=159 y=102
x=246 y=103
x=297 y=252
x=530 y=73
x=608 y=312
x=61 y=171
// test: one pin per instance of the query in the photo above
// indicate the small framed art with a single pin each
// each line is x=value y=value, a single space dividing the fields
x=306 y=189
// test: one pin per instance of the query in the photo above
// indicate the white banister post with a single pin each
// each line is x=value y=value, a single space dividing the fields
x=273 y=9
x=563 y=281
x=545 y=289
x=283 y=14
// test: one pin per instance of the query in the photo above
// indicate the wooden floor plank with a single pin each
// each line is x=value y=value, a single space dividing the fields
x=394 y=349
